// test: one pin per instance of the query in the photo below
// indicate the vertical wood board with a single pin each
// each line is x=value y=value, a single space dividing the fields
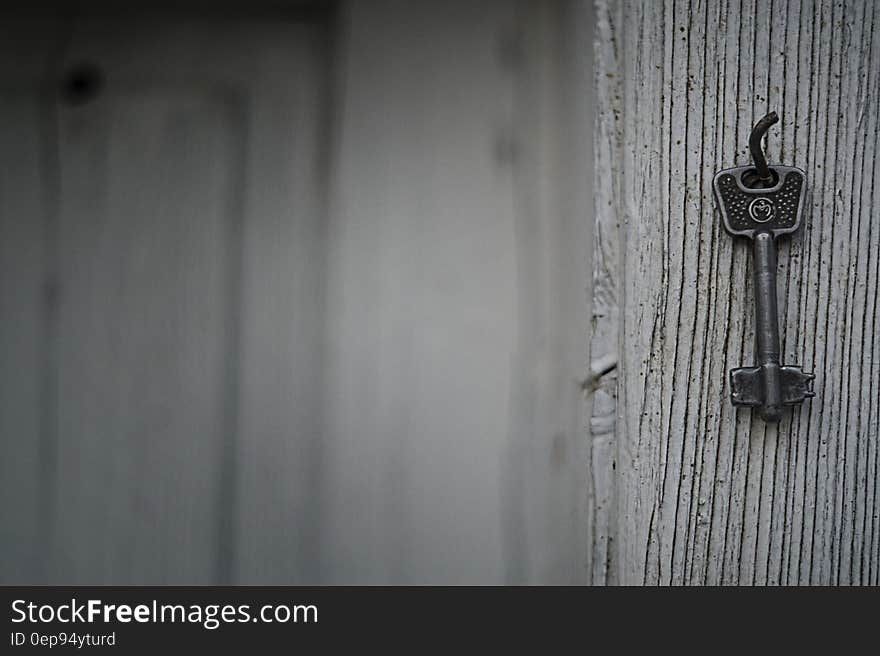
x=707 y=493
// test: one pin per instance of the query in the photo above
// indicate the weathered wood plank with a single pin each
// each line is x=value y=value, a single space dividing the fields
x=604 y=344
x=279 y=440
x=456 y=345
x=420 y=352
x=553 y=195
x=706 y=494
x=189 y=325
x=271 y=76
x=142 y=340
x=22 y=307
x=28 y=200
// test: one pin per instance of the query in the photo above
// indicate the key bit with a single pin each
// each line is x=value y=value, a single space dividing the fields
x=762 y=202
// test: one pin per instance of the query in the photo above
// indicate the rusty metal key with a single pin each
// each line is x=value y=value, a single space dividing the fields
x=762 y=202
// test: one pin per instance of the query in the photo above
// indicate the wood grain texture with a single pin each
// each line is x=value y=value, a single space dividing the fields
x=602 y=387
x=705 y=493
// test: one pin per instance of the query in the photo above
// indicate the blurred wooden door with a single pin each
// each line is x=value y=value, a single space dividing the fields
x=160 y=244
x=207 y=378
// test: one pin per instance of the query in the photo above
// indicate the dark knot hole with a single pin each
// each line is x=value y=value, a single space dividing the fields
x=82 y=83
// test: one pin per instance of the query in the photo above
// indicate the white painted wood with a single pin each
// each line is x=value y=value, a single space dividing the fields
x=706 y=493
x=27 y=200
x=279 y=450
x=456 y=319
x=233 y=388
x=142 y=341
x=259 y=135
x=168 y=399
x=22 y=305
x=550 y=477
x=420 y=345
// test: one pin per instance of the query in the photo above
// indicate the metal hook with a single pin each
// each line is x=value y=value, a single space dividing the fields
x=761 y=127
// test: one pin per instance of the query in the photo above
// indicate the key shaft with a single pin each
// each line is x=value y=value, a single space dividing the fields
x=767 y=323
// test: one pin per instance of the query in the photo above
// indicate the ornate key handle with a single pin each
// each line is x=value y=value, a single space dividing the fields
x=762 y=202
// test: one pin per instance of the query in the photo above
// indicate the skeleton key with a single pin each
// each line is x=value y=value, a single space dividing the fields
x=762 y=202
